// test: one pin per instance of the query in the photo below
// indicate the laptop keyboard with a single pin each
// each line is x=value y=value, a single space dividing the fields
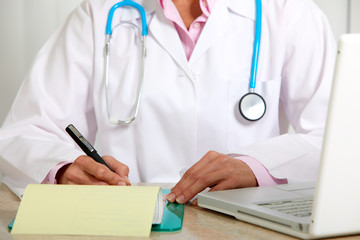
x=295 y=207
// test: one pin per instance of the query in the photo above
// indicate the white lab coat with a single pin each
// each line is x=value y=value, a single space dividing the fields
x=188 y=107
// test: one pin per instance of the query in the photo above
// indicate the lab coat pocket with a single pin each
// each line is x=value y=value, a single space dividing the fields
x=241 y=132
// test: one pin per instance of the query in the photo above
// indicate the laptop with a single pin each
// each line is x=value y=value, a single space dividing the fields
x=331 y=206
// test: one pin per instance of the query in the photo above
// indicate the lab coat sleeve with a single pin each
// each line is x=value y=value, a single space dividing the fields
x=305 y=89
x=56 y=90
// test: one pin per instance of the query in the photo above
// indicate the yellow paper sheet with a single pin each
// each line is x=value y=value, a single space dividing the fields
x=86 y=210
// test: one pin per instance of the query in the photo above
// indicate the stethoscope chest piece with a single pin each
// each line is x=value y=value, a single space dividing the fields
x=252 y=106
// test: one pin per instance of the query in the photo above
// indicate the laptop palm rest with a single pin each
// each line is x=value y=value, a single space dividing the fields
x=248 y=205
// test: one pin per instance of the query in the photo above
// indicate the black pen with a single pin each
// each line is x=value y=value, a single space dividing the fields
x=85 y=145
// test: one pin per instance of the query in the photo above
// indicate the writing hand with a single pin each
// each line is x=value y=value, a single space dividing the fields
x=84 y=170
x=214 y=170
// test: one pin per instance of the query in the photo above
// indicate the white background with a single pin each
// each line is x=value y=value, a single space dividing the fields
x=26 y=24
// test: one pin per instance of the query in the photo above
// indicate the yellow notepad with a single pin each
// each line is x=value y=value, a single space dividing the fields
x=86 y=210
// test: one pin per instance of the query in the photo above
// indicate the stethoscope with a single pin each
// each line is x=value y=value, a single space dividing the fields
x=109 y=31
x=251 y=106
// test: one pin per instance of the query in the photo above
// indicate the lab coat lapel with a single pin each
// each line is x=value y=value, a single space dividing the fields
x=219 y=24
x=165 y=33
x=215 y=27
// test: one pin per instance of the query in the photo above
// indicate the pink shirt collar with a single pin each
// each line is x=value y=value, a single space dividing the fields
x=206 y=5
x=190 y=36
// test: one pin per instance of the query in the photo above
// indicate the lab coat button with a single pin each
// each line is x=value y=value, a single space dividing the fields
x=196 y=74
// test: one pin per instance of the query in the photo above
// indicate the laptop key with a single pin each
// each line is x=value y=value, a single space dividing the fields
x=295 y=207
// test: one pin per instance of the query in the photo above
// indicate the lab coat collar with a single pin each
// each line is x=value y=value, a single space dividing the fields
x=245 y=8
x=218 y=23
x=162 y=29
x=216 y=26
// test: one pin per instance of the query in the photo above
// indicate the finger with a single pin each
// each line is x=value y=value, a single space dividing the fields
x=203 y=166
x=220 y=179
x=224 y=185
x=239 y=176
x=196 y=179
x=86 y=179
x=119 y=168
x=221 y=173
x=73 y=174
x=209 y=179
x=235 y=181
x=98 y=171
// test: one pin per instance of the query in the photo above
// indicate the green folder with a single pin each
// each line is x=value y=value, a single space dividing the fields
x=11 y=225
x=172 y=217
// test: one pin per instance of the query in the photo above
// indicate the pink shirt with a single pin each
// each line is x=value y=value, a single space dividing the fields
x=189 y=38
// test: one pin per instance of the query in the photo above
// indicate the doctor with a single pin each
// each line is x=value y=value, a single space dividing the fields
x=198 y=63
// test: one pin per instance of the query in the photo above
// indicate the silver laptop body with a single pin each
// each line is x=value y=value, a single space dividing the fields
x=331 y=206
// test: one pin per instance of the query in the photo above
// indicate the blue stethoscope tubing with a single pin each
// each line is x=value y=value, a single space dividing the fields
x=251 y=106
x=256 y=51
x=129 y=3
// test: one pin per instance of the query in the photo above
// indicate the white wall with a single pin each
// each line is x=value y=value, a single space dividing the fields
x=337 y=12
x=11 y=51
x=354 y=16
x=24 y=27
x=26 y=24
x=343 y=15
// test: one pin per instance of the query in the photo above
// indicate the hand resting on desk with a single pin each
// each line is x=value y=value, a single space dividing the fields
x=216 y=171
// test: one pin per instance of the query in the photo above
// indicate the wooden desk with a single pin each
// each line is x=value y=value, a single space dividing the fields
x=198 y=224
